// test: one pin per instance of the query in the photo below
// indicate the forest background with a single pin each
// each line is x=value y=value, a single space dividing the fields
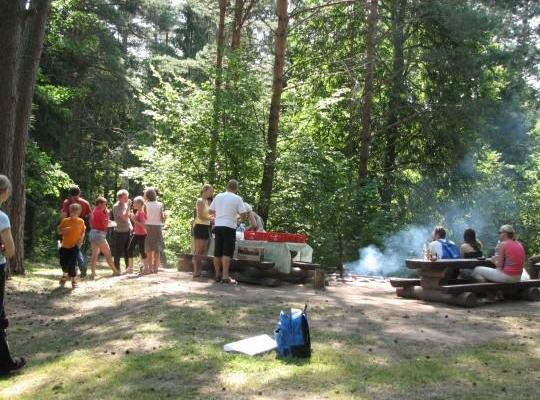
x=349 y=121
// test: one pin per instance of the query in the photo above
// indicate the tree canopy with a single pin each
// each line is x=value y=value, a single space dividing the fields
x=343 y=120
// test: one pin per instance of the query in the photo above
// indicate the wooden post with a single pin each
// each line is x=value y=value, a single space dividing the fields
x=319 y=279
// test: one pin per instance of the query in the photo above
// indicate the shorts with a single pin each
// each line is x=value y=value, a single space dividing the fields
x=154 y=238
x=225 y=241
x=201 y=231
x=68 y=260
x=97 y=237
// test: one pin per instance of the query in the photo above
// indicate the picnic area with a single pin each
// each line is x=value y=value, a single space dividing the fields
x=269 y=199
x=166 y=341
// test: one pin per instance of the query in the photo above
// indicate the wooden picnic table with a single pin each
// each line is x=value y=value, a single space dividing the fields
x=432 y=272
x=431 y=287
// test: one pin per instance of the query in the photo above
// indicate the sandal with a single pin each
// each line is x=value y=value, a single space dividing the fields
x=217 y=279
x=229 y=281
x=63 y=281
x=18 y=363
x=74 y=284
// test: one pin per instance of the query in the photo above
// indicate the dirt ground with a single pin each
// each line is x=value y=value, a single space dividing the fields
x=343 y=303
x=130 y=314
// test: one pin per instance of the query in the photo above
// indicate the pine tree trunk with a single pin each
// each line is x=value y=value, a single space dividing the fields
x=368 y=90
x=11 y=21
x=275 y=105
x=396 y=102
x=351 y=148
x=212 y=171
x=237 y=24
x=34 y=34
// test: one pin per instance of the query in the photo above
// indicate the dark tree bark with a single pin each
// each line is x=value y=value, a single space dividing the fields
x=396 y=101
x=275 y=105
x=11 y=21
x=212 y=171
x=367 y=101
x=34 y=34
x=242 y=9
x=351 y=148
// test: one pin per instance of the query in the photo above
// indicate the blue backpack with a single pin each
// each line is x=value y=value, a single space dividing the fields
x=450 y=250
x=292 y=334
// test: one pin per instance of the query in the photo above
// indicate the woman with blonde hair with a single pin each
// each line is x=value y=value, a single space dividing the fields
x=201 y=226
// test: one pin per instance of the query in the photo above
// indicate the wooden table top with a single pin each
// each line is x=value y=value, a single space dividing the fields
x=415 y=263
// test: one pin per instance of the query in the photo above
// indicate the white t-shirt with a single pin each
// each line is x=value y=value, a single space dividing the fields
x=227 y=207
x=436 y=247
x=4 y=224
x=153 y=213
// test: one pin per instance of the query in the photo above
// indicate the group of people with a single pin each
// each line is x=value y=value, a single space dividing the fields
x=220 y=215
x=509 y=257
x=135 y=224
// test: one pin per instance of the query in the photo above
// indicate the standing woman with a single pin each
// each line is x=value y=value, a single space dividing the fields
x=99 y=223
x=155 y=217
x=7 y=250
x=201 y=227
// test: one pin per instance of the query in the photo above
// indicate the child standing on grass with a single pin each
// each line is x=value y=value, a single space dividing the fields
x=155 y=217
x=72 y=230
x=7 y=250
x=138 y=218
x=99 y=221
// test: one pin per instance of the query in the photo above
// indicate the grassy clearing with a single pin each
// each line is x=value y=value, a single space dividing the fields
x=162 y=337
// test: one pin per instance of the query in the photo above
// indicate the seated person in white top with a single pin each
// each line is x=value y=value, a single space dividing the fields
x=437 y=247
x=255 y=222
x=439 y=235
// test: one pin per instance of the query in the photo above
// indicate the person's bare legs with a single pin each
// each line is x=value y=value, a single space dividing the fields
x=157 y=261
x=226 y=262
x=93 y=261
x=106 y=250
x=200 y=249
x=217 y=267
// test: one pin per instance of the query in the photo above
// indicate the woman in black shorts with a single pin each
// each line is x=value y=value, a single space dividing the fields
x=201 y=226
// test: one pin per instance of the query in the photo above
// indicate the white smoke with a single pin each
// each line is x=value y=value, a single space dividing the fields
x=376 y=262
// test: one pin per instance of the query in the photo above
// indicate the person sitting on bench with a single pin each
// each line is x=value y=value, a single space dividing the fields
x=471 y=248
x=509 y=258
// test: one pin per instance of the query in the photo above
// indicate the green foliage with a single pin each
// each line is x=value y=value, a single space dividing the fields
x=127 y=97
x=45 y=182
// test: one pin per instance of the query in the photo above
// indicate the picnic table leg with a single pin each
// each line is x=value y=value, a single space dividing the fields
x=431 y=279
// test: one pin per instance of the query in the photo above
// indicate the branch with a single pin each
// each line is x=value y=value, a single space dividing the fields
x=294 y=13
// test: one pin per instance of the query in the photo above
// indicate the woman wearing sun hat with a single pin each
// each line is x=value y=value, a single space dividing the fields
x=509 y=259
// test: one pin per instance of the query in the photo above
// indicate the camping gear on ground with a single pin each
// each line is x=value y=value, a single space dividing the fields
x=252 y=346
x=292 y=334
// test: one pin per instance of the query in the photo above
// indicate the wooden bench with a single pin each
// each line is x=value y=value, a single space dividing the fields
x=527 y=290
x=306 y=266
x=248 y=271
x=404 y=282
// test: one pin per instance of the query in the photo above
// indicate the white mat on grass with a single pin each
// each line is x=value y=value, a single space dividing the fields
x=252 y=346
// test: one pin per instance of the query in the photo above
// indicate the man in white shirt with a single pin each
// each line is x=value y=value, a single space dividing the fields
x=439 y=235
x=226 y=207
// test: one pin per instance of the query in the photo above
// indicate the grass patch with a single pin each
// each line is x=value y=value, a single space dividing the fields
x=139 y=339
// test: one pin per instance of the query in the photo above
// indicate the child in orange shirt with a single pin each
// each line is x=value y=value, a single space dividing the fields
x=72 y=230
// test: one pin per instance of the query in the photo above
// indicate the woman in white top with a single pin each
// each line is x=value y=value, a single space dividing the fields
x=155 y=217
